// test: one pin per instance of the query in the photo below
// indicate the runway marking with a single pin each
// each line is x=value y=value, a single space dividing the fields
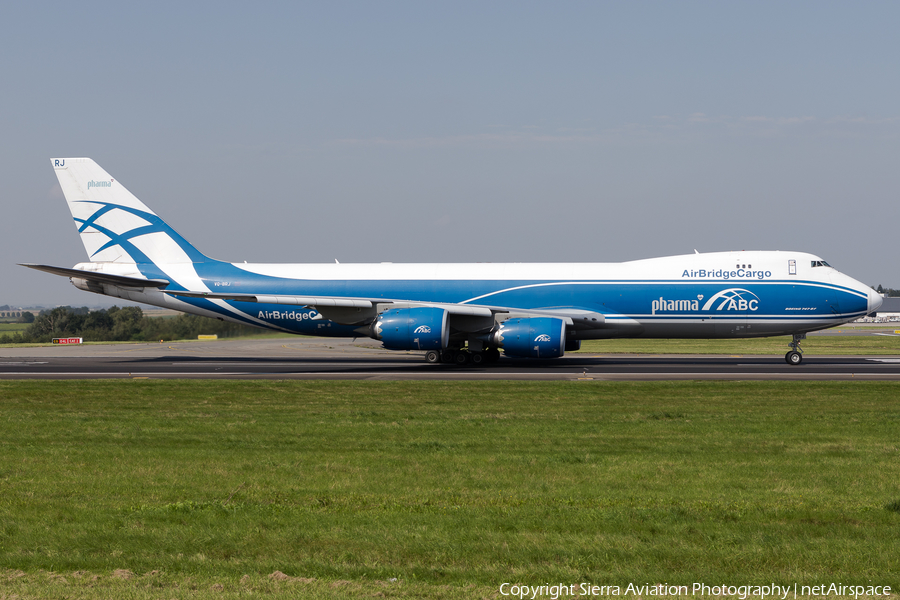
x=887 y=334
x=26 y=362
x=263 y=363
x=132 y=374
x=823 y=366
x=884 y=360
x=258 y=363
x=546 y=373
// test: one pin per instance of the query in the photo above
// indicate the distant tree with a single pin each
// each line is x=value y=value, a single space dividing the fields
x=119 y=324
x=126 y=322
x=98 y=319
x=27 y=317
x=890 y=292
x=61 y=321
x=97 y=326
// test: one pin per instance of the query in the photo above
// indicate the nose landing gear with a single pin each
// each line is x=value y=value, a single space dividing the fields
x=795 y=355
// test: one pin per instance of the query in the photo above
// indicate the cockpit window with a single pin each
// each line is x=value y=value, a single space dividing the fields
x=820 y=263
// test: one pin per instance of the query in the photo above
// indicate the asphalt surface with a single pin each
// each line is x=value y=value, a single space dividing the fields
x=315 y=358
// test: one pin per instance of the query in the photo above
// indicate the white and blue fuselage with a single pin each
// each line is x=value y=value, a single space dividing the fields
x=135 y=255
x=710 y=295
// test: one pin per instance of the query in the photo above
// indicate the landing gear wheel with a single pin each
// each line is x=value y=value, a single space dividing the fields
x=793 y=358
x=477 y=358
x=461 y=358
x=448 y=355
x=433 y=356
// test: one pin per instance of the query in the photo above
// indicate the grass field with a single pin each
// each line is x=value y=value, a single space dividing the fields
x=450 y=489
x=260 y=336
x=813 y=345
x=11 y=328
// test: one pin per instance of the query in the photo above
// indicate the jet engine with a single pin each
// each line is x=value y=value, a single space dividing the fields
x=534 y=337
x=423 y=328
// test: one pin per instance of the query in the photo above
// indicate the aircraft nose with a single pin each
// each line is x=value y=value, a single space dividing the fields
x=875 y=300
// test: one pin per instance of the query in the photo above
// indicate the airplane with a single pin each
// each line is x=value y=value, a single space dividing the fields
x=455 y=313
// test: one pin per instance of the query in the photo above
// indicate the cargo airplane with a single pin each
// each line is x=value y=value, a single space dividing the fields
x=456 y=313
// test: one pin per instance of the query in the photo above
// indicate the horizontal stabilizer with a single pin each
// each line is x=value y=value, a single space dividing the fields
x=108 y=278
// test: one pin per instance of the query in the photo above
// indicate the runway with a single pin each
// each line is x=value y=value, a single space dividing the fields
x=341 y=359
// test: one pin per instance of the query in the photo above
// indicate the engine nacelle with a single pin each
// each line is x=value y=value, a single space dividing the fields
x=534 y=337
x=87 y=285
x=422 y=328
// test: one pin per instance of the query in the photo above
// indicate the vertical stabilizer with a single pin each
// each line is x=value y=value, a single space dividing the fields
x=114 y=225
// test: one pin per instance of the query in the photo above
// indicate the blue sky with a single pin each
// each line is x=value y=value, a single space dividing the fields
x=420 y=132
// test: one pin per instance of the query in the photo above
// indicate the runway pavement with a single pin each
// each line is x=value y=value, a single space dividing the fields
x=317 y=358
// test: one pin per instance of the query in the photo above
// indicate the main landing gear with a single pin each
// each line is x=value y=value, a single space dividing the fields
x=795 y=355
x=461 y=357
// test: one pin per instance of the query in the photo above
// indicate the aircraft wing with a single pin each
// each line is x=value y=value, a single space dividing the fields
x=120 y=280
x=327 y=305
x=334 y=302
x=311 y=301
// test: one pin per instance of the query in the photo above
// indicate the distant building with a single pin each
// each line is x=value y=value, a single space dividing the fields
x=887 y=312
x=10 y=314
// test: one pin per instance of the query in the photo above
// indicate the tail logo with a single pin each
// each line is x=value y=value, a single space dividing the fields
x=151 y=224
x=100 y=184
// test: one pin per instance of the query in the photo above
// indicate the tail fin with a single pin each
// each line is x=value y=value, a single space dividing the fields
x=114 y=225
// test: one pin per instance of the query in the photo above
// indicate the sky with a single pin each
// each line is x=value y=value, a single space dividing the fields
x=457 y=131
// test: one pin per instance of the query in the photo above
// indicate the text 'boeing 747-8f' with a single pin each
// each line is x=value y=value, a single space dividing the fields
x=456 y=313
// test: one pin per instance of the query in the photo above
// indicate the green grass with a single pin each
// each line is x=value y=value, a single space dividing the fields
x=259 y=336
x=813 y=345
x=451 y=488
x=10 y=328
